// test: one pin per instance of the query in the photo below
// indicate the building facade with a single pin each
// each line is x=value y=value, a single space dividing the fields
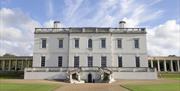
x=91 y=53
x=15 y=63
x=169 y=63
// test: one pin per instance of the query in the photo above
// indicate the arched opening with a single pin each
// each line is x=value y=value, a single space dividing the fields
x=106 y=77
x=75 y=76
x=90 y=43
x=90 y=78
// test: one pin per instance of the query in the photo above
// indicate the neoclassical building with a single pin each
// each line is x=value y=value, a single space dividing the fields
x=169 y=63
x=15 y=63
x=90 y=54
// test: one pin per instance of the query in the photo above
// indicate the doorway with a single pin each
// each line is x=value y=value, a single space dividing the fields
x=90 y=78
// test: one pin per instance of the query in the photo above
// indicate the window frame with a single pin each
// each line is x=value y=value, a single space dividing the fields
x=43 y=45
x=60 y=61
x=76 y=61
x=43 y=61
x=136 y=43
x=119 y=45
x=120 y=61
x=103 y=39
x=90 y=61
x=90 y=43
x=103 y=61
x=76 y=43
x=61 y=44
x=137 y=59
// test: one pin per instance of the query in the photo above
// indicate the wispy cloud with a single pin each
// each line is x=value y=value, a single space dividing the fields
x=49 y=6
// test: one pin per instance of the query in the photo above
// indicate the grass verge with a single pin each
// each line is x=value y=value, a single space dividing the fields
x=154 y=87
x=27 y=87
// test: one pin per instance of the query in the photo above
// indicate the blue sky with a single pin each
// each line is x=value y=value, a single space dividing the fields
x=158 y=16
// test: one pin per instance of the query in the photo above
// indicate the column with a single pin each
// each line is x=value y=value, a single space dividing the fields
x=165 y=67
x=172 y=70
x=151 y=63
x=22 y=64
x=27 y=63
x=3 y=65
x=158 y=66
x=15 y=65
x=9 y=66
x=178 y=66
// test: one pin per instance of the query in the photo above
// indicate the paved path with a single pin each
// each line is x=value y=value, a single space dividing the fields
x=92 y=87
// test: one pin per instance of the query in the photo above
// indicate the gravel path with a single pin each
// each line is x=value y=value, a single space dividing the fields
x=92 y=87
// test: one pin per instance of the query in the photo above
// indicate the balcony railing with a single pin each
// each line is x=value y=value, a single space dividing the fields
x=90 y=30
x=82 y=69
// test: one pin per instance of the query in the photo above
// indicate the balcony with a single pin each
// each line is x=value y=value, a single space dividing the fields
x=90 y=69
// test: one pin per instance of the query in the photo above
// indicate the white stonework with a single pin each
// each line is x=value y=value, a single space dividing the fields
x=128 y=52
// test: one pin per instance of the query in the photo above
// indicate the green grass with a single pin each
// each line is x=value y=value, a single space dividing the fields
x=154 y=87
x=169 y=75
x=27 y=87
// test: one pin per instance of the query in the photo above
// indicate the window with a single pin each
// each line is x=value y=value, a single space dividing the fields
x=119 y=43
x=60 y=61
x=90 y=43
x=119 y=61
x=60 y=43
x=137 y=62
x=76 y=61
x=43 y=43
x=90 y=61
x=136 y=43
x=103 y=61
x=43 y=61
x=76 y=43
x=103 y=43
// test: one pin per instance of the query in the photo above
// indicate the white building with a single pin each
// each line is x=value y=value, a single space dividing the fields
x=90 y=54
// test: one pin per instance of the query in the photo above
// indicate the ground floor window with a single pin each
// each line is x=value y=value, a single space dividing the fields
x=60 y=58
x=90 y=61
x=43 y=58
x=119 y=61
x=76 y=61
x=103 y=61
x=137 y=62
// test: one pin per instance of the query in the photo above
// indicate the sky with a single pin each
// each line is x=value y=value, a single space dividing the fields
x=161 y=18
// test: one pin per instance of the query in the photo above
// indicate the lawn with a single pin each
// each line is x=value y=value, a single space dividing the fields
x=27 y=87
x=170 y=75
x=158 y=87
x=154 y=87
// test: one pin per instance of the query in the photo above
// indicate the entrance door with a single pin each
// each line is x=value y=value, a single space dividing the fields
x=90 y=78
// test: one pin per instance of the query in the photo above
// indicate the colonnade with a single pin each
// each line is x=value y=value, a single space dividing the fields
x=17 y=63
x=165 y=64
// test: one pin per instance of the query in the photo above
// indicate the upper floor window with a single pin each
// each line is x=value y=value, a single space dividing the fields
x=103 y=61
x=76 y=61
x=60 y=58
x=119 y=43
x=103 y=43
x=43 y=58
x=60 y=43
x=137 y=61
x=90 y=61
x=90 y=43
x=120 y=61
x=76 y=43
x=136 y=43
x=43 y=41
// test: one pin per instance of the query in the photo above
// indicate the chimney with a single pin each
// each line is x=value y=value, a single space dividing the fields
x=56 y=24
x=121 y=24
